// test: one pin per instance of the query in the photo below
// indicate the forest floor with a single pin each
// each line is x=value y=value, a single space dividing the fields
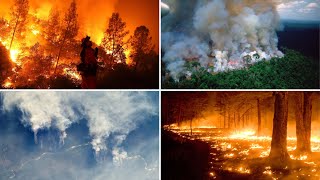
x=240 y=156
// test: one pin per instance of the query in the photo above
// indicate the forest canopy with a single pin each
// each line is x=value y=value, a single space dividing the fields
x=293 y=71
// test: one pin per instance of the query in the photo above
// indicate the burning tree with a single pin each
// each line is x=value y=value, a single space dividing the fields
x=113 y=40
x=52 y=31
x=19 y=16
x=44 y=48
x=69 y=31
x=141 y=46
x=4 y=28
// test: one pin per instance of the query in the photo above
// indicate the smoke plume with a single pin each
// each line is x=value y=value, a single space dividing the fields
x=220 y=34
x=116 y=113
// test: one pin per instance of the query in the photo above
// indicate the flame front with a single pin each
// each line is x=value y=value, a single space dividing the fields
x=243 y=145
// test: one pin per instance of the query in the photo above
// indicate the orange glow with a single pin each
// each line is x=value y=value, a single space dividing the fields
x=72 y=73
x=127 y=53
x=14 y=55
x=92 y=21
x=8 y=84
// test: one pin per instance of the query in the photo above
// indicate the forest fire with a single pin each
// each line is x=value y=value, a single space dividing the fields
x=43 y=40
x=237 y=146
x=244 y=145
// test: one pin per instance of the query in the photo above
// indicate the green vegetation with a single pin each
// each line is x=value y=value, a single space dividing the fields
x=293 y=71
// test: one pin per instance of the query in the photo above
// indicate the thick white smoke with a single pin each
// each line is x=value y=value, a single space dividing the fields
x=106 y=113
x=219 y=34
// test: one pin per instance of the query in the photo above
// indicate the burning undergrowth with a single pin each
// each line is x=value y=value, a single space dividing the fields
x=219 y=35
x=242 y=154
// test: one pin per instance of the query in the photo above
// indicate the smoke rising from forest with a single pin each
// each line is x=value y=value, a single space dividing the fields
x=219 y=34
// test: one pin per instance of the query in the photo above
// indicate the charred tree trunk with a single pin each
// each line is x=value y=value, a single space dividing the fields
x=238 y=118
x=179 y=115
x=279 y=154
x=259 y=117
x=303 y=122
x=229 y=121
x=224 y=119
x=191 y=127
x=14 y=32
x=243 y=121
x=234 y=120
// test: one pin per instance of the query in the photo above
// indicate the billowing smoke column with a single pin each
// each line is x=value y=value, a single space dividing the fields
x=219 y=34
x=107 y=113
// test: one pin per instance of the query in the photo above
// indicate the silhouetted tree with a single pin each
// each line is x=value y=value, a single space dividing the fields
x=5 y=64
x=259 y=117
x=70 y=29
x=303 y=103
x=113 y=40
x=141 y=46
x=52 y=31
x=279 y=153
x=19 y=15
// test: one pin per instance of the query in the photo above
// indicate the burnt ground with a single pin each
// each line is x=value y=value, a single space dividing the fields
x=192 y=158
x=182 y=158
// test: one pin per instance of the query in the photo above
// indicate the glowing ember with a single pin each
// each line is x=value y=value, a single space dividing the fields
x=14 y=55
x=242 y=134
x=229 y=155
x=8 y=84
x=304 y=157
x=244 y=145
x=243 y=170
x=72 y=73
x=35 y=32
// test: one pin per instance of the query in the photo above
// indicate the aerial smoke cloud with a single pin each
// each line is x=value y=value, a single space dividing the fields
x=218 y=33
x=116 y=113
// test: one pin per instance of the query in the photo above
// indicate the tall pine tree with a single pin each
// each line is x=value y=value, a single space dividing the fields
x=19 y=15
x=113 y=40
x=70 y=29
x=141 y=45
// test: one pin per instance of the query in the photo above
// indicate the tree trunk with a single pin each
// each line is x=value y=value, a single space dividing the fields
x=14 y=32
x=243 y=121
x=279 y=154
x=238 y=118
x=179 y=116
x=234 y=120
x=259 y=117
x=224 y=119
x=303 y=122
x=191 y=127
x=229 y=121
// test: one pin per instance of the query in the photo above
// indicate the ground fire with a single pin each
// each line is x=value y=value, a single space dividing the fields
x=248 y=135
x=40 y=41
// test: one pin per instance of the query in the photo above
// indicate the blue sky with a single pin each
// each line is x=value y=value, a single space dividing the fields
x=38 y=142
x=299 y=9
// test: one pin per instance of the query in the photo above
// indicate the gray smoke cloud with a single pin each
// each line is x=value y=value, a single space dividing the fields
x=219 y=34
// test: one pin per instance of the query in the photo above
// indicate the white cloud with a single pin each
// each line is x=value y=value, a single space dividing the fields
x=312 y=5
x=106 y=112
x=289 y=5
x=309 y=8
